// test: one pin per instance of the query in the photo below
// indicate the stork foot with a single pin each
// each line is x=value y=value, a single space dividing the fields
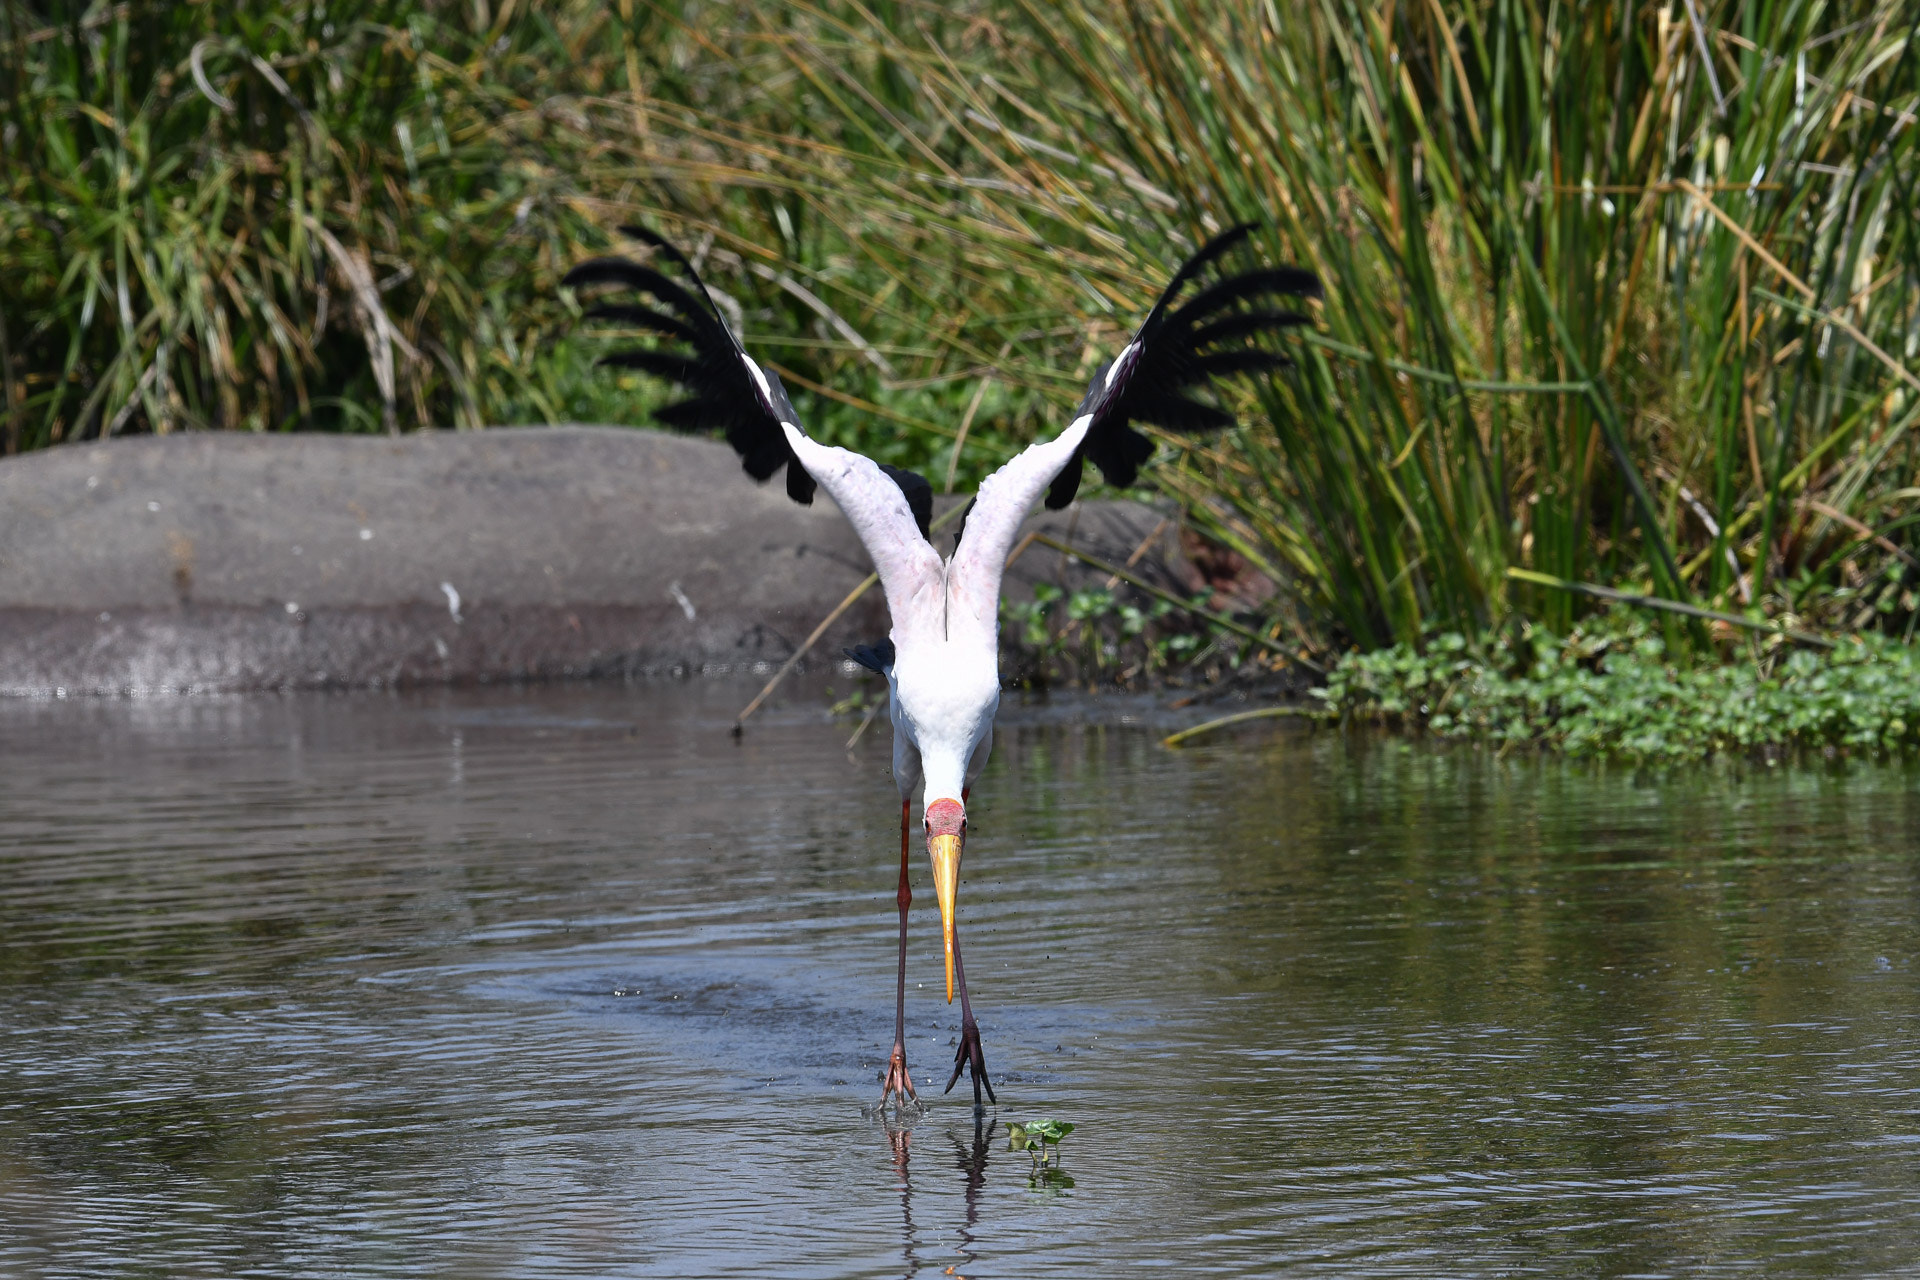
x=974 y=1058
x=897 y=1085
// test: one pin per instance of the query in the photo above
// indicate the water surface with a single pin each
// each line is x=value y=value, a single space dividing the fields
x=569 y=982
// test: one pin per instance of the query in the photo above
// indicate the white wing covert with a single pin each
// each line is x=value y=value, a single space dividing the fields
x=994 y=521
x=889 y=510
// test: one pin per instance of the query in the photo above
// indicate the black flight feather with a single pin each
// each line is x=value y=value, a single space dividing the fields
x=960 y=529
x=644 y=318
x=1244 y=324
x=703 y=357
x=1177 y=350
x=661 y=364
x=919 y=495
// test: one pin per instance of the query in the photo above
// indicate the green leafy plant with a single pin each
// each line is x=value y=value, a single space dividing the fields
x=1093 y=636
x=1038 y=1138
x=858 y=702
x=1613 y=686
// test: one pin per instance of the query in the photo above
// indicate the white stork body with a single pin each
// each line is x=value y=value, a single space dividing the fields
x=943 y=676
x=944 y=684
x=941 y=699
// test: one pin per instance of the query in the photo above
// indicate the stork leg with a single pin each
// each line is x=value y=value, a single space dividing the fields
x=969 y=1055
x=898 y=1080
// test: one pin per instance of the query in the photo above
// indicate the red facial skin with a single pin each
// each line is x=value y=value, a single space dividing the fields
x=945 y=818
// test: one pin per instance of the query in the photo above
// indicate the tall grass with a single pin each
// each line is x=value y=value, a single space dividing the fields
x=352 y=214
x=258 y=217
x=1586 y=239
x=1616 y=293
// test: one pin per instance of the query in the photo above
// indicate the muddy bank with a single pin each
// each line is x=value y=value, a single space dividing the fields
x=233 y=562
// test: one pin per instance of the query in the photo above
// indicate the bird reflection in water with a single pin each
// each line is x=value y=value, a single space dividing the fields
x=971 y=1160
x=970 y=1157
x=900 y=1138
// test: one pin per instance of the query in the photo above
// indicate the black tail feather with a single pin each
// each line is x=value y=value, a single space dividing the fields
x=800 y=483
x=877 y=657
x=960 y=529
x=919 y=494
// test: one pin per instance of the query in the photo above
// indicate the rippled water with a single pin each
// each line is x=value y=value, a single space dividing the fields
x=568 y=982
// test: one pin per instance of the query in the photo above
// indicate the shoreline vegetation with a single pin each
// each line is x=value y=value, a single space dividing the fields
x=1610 y=687
x=1621 y=299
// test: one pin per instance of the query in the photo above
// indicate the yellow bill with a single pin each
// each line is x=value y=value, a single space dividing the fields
x=946 y=884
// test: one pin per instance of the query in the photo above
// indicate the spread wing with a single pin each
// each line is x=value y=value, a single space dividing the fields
x=729 y=392
x=879 y=502
x=1177 y=349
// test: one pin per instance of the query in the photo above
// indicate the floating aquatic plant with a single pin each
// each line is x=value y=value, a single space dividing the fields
x=1614 y=687
x=1036 y=1137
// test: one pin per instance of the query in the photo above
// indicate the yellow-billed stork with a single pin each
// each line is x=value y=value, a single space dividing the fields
x=941 y=659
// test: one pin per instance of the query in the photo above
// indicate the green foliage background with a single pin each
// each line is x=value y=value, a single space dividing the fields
x=1617 y=293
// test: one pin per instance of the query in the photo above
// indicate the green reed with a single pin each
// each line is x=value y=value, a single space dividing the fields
x=1616 y=294
x=1599 y=308
x=1542 y=348
x=261 y=216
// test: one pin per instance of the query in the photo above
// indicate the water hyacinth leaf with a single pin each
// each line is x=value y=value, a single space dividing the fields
x=1038 y=1132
